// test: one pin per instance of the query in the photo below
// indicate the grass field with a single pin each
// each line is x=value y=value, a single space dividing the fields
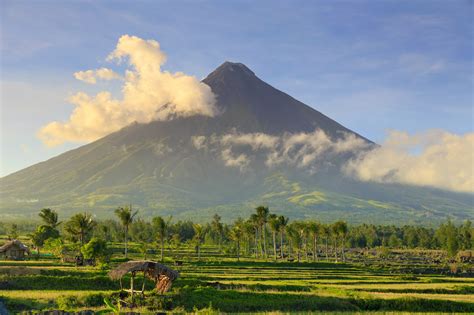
x=219 y=283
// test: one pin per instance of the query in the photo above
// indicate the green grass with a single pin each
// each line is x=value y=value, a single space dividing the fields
x=221 y=283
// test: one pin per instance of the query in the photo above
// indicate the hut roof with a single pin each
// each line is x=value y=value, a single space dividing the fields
x=12 y=243
x=150 y=267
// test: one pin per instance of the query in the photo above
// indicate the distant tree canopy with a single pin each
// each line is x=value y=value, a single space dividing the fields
x=263 y=235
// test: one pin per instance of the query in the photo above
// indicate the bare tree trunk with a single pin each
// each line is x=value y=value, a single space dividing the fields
x=238 y=250
x=315 y=248
x=264 y=231
x=162 y=247
x=327 y=249
x=281 y=243
x=126 y=234
x=306 y=248
x=335 y=248
x=274 y=245
x=343 y=254
x=256 y=243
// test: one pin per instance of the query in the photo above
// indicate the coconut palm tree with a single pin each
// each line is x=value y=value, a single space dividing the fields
x=255 y=221
x=341 y=230
x=126 y=215
x=294 y=235
x=275 y=227
x=236 y=234
x=262 y=214
x=218 y=229
x=335 y=235
x=249 y=232
x=314 y=229
x=326 y=233
x=49 y=217
x=80 y=225
x=160 y=226
x=199 y=234
x=282 y=222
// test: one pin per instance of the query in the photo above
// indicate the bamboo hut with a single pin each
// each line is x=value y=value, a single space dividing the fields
x=14 y=249
x=161 y=274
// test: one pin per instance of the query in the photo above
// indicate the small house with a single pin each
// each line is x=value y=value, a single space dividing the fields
x=14 y=250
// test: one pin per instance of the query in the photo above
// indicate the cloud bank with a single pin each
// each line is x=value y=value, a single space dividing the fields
x=434 y=158
x=148 y=93
x=301 y=150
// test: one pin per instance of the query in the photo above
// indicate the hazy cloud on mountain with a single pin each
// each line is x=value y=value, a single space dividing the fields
x=435 y=158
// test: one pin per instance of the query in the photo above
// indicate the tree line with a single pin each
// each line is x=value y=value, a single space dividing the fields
x=263 y=235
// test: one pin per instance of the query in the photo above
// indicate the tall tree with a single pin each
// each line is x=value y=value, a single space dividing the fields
x=199 y=234
x=255 y=221
x=326 y=233
x=314 y=229
x=262 y=214
x=80 y=226
x=236 y=234
x=218 y=229
x=126 y=215
x=275 y=227
x=49 y=217
x=342 y=230
x=160 y=226
x=282 y=222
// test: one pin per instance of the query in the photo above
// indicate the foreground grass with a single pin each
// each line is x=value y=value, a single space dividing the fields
x=247 y=286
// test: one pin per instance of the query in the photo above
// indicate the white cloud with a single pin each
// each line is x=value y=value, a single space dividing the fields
x=199 y=142
x=303 y=150
x=254 y=140
x=148 y=94
x=91 y=76
x=434 y=158
x=241 y=160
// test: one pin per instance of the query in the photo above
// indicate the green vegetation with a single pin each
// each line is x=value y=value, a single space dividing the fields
x=265 y=263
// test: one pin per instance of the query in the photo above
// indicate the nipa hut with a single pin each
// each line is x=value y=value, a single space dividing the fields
x=14 y=249
x=161 y=274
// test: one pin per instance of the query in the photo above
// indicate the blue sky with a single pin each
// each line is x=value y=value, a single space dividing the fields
x=370 y=65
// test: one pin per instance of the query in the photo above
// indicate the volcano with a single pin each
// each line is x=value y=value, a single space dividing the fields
x=194 y=167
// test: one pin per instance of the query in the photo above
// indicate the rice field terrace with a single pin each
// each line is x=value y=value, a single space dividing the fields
x=221 y=284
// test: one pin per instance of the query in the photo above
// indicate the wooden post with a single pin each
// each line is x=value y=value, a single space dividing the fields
x=144 y=279
x=131 y=285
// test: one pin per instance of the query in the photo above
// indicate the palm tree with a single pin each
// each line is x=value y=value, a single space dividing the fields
x=126 y=215
x=49 y=217
x=341 y=231
x=262 y=214
x=294 y=234
x=314 y=228
x=248 y=229
x=274 y=226
x=80 y=225
x=283 y=222
x=218 y=229
x=199 y=234
x=335 y=234
x=160 y=226
x=326 y=232
x=236 y=234
x=256 y=224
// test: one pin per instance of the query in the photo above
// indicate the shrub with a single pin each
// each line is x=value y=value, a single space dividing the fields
x=94 y=299
x=67 y=302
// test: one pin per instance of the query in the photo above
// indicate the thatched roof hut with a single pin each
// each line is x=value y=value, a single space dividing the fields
x=14 y=249
x=161 y=274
